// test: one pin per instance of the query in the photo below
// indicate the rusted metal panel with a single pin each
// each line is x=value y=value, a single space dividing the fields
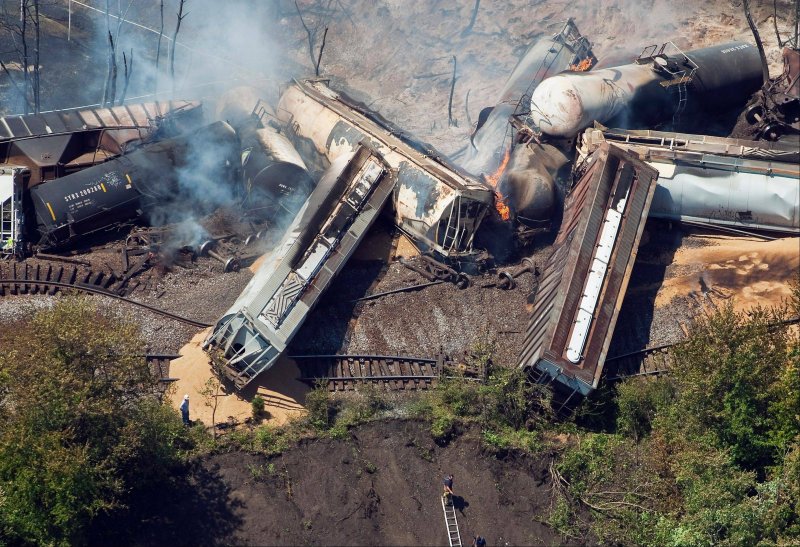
x=585 y=278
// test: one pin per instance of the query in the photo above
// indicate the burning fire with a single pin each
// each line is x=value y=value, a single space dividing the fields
x=583 y=66
x=494 y=179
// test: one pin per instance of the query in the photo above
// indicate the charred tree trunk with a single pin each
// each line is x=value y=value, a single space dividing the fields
x=37 y=102
x=309 y=34
x=112 y=76
x=759 y=44
x=128 y=70
x=158 y=48
x=452 y=122
x=472 y=19
x=23 y=23
x=181 y=15
x=109 y=58
x=321 y=48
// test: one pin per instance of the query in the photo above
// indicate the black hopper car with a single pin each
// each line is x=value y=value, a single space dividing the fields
x=166 y=181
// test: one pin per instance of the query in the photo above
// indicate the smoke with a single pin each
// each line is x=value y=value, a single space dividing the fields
x=219 y=45
x=206 y=176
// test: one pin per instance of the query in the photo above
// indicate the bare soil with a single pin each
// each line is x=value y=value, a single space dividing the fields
x=381 y=486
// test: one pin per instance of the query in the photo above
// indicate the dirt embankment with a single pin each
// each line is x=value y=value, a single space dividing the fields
x=381 y=486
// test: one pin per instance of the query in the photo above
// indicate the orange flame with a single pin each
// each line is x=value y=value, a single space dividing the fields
x=500 y=201
x=583 y=66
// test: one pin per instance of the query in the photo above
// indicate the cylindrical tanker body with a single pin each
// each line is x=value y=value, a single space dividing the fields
x=276 y=178
x=151 y=179
x=649 y=91
x=727 y=75
x=439 y=207
x=569 y=102
x=530 y=182
x=546 y=57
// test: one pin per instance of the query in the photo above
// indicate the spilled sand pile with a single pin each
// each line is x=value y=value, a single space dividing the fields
x=746 y=272
x=278 y=386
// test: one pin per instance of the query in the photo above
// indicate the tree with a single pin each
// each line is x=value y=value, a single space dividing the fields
x=181 y=17
x=81 y=426
x=707 y=455
x=110 y=86
x=321 y=25
x=17 y=24
x=210 y=394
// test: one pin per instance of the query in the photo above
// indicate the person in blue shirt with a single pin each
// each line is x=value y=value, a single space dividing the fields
x=185 y=409
x=448 y=489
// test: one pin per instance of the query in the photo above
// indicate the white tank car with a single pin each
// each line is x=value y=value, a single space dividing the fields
x=737 y=184
x=565 y=104
x=655 y=88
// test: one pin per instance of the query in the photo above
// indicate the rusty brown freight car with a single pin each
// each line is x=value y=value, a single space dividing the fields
x=585 y=278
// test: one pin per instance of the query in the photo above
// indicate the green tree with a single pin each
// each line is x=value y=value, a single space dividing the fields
x=81 y=423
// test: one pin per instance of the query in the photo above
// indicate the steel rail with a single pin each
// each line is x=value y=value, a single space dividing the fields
x=102 y=292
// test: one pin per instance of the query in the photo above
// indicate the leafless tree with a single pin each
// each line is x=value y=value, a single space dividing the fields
x=128 y=65
x=450 y=120
x=759 y=44
x=37 y=102
x=181 y=16
x=110 y=86
x=17 y=23
x=472 y=19
x=158 y=48
x=323 y=16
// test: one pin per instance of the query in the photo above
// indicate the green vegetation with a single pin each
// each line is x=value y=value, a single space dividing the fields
x=708 y=455
x=257 y=405
x=80 y=423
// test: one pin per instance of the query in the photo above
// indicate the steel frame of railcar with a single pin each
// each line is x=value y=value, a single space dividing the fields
x=255 y=331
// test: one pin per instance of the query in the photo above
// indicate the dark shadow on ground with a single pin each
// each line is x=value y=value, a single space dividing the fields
x=326 y=329
x=193 y=508
x=633 y=329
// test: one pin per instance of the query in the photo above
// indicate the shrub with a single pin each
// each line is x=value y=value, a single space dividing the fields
x=257 y=406
x=318 y=405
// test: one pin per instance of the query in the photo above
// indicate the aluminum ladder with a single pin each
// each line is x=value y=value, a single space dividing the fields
x=453 y=535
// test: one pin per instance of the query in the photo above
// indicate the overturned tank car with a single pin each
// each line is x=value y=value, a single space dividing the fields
x=659 y=86
x=438 y=207
x=550 y=55
x=147 y=181
x=727 y=183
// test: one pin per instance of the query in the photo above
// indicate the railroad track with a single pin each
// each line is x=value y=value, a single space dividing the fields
x=347 y=372
x=48 y=279
x=650 y=361
x=159 y=366
x=655 y=360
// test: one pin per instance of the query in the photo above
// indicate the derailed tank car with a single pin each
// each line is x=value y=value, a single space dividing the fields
x=657 y=87
x=436 y=206
x=256 y=330
x=157 y=176
x=276 y=179
x=738 y=184
x=548 y=56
